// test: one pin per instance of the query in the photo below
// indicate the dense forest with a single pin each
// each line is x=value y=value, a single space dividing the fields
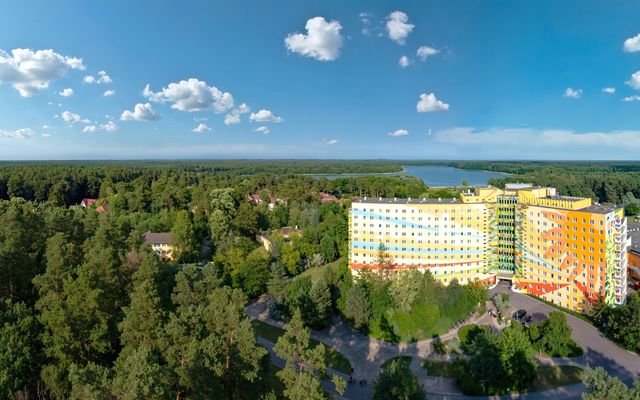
x=87 y=310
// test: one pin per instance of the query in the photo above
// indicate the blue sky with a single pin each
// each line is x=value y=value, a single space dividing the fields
x=320 y=79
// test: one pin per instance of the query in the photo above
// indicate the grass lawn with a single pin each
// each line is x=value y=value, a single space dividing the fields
x=439 y=368
x=316 y=272
x=335 y=359
x=402 y=359
x=550 y=377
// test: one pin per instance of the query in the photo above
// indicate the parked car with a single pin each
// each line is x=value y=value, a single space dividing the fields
x=526 y=320
x=518 y=315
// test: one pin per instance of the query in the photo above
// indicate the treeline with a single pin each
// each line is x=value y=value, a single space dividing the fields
x=173 y=186
x=604 y=182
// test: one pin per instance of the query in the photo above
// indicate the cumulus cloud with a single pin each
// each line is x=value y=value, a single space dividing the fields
x=234 y=116
x=109 y=127
x=510 y=138
x=265 y=116
x=322 y=40
x=572 y=93
x=191 y=95
x=634 y=82
x=398 y=26
x=631 y=98
x=404 y=62
x=429 y=103
x=103 y=78
x=632 y=44
x=332 y=141
x=609 y=90
x=262 y=129
x=68 y=116
x=68 y=92
x=201 y=128
x=141 y=112
x=108 y=93
x=31 y=71
x=22 y=133
x=424 y=51
x=399 y=132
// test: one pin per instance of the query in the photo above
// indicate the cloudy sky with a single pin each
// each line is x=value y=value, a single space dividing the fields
x=319 y=79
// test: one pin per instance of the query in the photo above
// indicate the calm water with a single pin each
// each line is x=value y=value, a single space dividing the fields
x=435 y=175
x=448 y=176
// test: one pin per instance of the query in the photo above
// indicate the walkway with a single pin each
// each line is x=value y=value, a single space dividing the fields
x=367 y=354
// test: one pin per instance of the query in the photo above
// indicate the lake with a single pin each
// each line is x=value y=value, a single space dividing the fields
x=435 y=175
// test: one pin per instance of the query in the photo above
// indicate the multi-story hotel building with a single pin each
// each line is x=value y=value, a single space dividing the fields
x=563 y=249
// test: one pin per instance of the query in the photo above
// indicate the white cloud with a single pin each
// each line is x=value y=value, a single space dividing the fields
x=45 y=126
x=103 y=78
x=191 y=95
x=631 y=98
x=72 y=118
x=68 y=92
x=31 y=71
x=322 y=41
x=22 y=133
x=332 y=141
x=199 y=119
x=45 y=135
x=141 y=112
x=109 y=92
x=262 y=129
x=365 y=18
x=265 y=116
x=632 y=44
x=398 y=26
x=234 y=116
x=404 y=62
x=573 y=93
x=109 y=127
x=399 y=132
x=609 y=90
x=425 y=51
x=201 y=128
x=634 y=82
x=510 y=138
x=429 y=103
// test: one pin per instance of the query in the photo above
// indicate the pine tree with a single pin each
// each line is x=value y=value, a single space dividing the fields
x=320 y=298
x=278 y=283
x=184 y=237
x=357 y=306
x=304 y=364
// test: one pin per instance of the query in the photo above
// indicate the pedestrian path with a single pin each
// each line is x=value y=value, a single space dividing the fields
x=367 y=354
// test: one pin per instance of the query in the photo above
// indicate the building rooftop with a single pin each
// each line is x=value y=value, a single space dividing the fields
x=157 y=237
x=566 y=198
x=600 y=208
x=420 y=200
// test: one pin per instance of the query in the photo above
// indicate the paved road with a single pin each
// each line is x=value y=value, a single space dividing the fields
x=598 y=350
x=366 y=354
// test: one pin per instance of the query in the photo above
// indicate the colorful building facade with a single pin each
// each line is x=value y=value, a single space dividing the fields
x=563 y=249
